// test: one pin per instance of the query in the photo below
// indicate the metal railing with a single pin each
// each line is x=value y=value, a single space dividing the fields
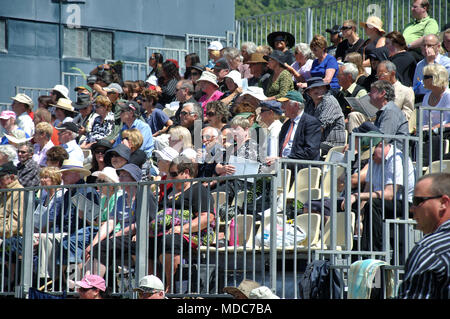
x=304 y=23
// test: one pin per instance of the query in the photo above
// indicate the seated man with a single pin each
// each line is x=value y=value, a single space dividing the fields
x=347 y=76
x=67 y=133
x=28 y=169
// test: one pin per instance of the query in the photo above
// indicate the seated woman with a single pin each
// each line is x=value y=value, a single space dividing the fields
x=158 y=121
x=325 y=65
x=98 y=150
x=132 y=138
x=194 y=205
x=217 y=115
x=356 y=59
x=233 y=82
x=180 y=138
x=103 y=124
x=301 y=68
x=280 y=82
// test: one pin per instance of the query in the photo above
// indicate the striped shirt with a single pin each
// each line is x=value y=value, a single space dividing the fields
x=427 y=270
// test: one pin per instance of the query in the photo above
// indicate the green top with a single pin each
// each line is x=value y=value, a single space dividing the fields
x=281 y=86
x=108 y=210
x=418 y=28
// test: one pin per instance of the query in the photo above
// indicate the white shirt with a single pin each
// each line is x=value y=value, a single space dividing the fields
x=287 y=150
x=74 y=150
x=272 y=138
x=25 y=122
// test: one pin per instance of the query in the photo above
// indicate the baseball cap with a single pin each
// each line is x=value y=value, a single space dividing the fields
x=5 y=115
x=222 y=64
x=92 y=281
x=293 y=96
x=86 y=87
x=272 y=105
x=129 y=106
x=149 y=283
x=215 y=45
x=167 y=154
x=134 y=171
x=334 y=30
x=68 y=126
x=8 y=168
x=113 y=87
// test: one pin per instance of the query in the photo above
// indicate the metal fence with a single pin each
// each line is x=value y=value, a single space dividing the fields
x=33 y=93
x=304 y=23
x=132 y=71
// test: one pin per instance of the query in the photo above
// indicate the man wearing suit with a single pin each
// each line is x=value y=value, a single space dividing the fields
x=300 y=135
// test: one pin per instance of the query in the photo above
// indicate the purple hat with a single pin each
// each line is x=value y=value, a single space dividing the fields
x=92 y=281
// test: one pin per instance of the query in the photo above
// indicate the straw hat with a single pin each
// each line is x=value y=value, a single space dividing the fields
x=23 y=98
x=373 y=22
x=257 y=58
x=64 y=104
x=74 y=166
x=243 y=290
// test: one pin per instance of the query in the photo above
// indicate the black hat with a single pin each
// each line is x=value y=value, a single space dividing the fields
x=222 y=64
x=278 y=56
x=68 y=126
x=334 y=30
x=83 y=101
x=122 y=150
x=315 y=82
x=138 y=158
x=281 y=35
x=101 y=143
x=8 y=168
x=199 y=66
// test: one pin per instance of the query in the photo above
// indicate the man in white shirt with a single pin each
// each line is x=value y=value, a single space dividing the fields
x=67 y=134
x=270 y=112
x=22 y=104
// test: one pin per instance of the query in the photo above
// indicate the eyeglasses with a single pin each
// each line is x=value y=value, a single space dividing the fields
x=417 y=200
x=425 y=77
x=430 y=45
x=173 y=174
x=22 y=152
x=184 y=113
x=207 y=137
x=210 y=113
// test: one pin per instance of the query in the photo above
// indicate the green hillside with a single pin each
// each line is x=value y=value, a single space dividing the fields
x=245 y=8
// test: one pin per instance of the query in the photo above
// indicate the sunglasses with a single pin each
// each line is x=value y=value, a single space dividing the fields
x=417 y=200
x=210 y=113
x=346 y=27
x=425 y=77
x=147 y=293
x=100 y=151
x=173 y=174
x=195 y=73
x=184 y=113
x=264 y=110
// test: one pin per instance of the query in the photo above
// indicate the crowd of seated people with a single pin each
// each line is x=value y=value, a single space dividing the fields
x=259 y=104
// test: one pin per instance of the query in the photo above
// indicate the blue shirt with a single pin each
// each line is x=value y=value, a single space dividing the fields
x=157 y=120
x=418 y=74
x=148 y=144
x=319 y=69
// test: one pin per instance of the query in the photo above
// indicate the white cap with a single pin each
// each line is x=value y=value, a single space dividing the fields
x=188 y=155
x=262 y=292
x=167 y=153
x=113 y=87
x=149 y=283
x=152 y=80
x=236 y=77
x=215 y=45
x=61 y=89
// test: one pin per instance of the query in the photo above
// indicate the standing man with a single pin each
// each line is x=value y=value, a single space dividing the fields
x=22 y=105
x=427 y=268
x=421 y=26
x=335 y=39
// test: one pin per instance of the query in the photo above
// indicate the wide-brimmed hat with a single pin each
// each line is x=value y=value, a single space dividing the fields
x=23 y=98
x=215 y=45
x=281 y=35
x=236 y=77
x=256 y=92
x=8 y=168
x=70 y=126
x=208 y=77
x=256 y=58
x=133 y=170
x=18 y=137
x=61 y=89
x=277 y=55
x=92 y=281
x=70 y=165
x=243 y=290
x=122 y=150
x=108 y=173
x=373 y=22
x=316 y=82
x=101 y=143
x=64 y=104
x=82 y=102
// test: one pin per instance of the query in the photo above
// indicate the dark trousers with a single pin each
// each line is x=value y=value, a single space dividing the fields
x=373 y=224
